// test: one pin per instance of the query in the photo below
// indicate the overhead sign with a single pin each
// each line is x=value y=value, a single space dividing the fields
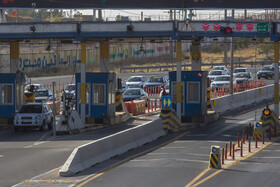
x=147 y=4
x=262 y=27
x=166 y=101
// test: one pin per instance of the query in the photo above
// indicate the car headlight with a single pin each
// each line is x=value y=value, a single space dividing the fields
x=38 y=118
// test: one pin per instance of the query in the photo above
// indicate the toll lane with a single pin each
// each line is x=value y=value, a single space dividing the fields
x=31 y=153
x=179 y=162
x=262 y=169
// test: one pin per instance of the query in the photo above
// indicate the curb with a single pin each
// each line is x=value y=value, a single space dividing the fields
x=4 y=126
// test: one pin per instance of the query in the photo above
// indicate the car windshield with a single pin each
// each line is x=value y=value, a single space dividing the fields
x=70 y=87
x=156 y=79
x=239 y=70
x=132 y=92
x=215 y=73
x=41 y=93
x=28 y=87
x=30 y=109
x=134 y=79
x=222 y=79
x=270 y=68
x=242 y=75
x=218 y=68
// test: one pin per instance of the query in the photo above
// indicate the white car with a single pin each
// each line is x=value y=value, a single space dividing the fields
x=33 y=115
x=241 y=70
x=214 y=73
x=222 y=68
x=221 y=81
x=136 y=81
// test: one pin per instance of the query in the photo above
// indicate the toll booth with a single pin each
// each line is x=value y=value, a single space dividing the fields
x=194 y=94
x=100 y=95
x=11 y=95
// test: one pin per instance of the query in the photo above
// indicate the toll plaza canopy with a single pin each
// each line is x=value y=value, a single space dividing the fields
x=139 y=4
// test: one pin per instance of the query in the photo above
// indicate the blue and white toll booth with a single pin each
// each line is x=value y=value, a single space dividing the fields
x=100 y=95
x=11 y=95
x=194 y=94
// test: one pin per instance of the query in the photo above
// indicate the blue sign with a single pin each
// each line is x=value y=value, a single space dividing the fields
x=214 y=149
x=166 y=102
x=258 y=124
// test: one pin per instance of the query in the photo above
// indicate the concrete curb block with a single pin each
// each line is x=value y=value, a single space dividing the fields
x=241 y=99
x=85 y=156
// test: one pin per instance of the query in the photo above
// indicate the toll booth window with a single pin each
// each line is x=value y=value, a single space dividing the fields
x=99 y=94
x=6 y=94
x=193 y=92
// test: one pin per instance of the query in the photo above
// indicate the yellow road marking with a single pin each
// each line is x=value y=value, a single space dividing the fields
x=232 y=164
x=131 y=157
x=197 y=177
x=204 y=171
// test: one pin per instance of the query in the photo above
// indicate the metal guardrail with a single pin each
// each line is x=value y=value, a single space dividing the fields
x=189 y=65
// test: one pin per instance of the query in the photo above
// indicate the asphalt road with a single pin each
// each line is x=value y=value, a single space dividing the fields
x=26 y=154
x=179 y=162
x=175 y=160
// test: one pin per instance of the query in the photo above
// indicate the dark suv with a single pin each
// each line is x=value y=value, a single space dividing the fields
x=70 y=92
x=266 y=72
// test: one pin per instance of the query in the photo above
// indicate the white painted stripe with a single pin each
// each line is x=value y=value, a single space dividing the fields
x=1 y=156
x=271 y=150
x=246 y=121
x=173 y=148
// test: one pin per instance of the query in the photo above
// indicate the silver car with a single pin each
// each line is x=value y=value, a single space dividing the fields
x=33 y=115
x=136 y=81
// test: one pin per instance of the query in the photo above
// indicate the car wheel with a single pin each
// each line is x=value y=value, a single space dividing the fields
x=42 y=128
x=50 y=125
x=16 y=129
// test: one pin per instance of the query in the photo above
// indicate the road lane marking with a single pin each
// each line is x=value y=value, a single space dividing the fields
x=102 y=172
x=271 y=150
x=34 y=178
x=197 y=177
x=38 y=142
x=1 y=156
x=234 y=163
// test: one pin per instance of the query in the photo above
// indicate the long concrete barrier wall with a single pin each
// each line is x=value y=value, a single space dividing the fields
x=85 y=156
x=256 y=95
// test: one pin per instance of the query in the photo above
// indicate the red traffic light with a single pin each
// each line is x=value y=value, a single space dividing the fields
x=226 y=30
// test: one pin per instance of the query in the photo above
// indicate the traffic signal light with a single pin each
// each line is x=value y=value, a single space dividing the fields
x=226 y=30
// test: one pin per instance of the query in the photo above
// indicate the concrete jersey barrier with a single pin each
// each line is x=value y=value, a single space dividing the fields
x=227 y=103
x=85 y=156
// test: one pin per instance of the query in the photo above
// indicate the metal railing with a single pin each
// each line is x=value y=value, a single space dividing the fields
x=148 y=68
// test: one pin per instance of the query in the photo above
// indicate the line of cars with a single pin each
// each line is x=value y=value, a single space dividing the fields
x=219 y=76
x=136 y=86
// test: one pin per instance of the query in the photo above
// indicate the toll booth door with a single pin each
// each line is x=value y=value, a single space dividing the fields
x=193 y=98
x=88 y=99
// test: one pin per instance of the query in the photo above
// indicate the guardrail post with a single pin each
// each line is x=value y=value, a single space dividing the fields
x=250 y=129
x=233 y=150
x=238 y=139
x=156 y=104
x=230 y=145
x=148 y=106
x=249 y=146
x=243 y=136
x=241 y=149
x=226 y=152
x=223 y=154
